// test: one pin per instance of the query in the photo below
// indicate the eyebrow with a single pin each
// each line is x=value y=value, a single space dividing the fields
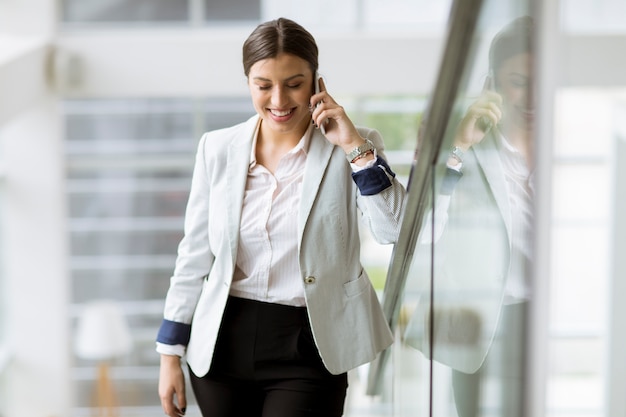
x=287 y=79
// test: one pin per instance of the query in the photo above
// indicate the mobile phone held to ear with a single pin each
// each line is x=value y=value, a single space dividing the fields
x=317 y=90
x=484 y=123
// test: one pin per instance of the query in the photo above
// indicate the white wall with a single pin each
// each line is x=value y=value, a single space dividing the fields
x=36 y=379
x=208 y=63
x=35 y=263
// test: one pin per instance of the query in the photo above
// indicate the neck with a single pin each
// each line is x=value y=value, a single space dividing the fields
x=522 y=140
x=279 y=139
x=271 y=146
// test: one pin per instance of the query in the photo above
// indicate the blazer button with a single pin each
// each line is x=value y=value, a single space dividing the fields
x=309 y=280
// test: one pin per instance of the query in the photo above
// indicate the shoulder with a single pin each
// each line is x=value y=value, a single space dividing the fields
x=216 y=146
x=223 y=137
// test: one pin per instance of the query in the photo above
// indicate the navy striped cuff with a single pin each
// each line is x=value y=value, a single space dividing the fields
x=373 y=180
x=174 y=333
x=451 y=177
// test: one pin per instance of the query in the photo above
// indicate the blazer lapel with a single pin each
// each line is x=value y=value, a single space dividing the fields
x=487 y=155
x=237 y=164
x=318 y=157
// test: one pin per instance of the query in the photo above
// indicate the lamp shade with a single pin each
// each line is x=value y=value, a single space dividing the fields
x=102 y=332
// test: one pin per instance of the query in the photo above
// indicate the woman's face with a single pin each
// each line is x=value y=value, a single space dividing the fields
x=281 y=89
x=514 y=83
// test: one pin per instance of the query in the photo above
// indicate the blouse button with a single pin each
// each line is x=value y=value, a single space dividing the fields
x=309 y=280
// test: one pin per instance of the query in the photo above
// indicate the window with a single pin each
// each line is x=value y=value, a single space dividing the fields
x=128 y=177
x=232 y=10
x=120 y=11
x=158 y=12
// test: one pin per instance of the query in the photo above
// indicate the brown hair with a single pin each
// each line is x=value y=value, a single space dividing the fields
x=279 y=36
x=515 y=38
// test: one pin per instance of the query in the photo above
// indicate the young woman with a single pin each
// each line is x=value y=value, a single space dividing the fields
x=496 y=135
x=481 y=230
x=269 y=301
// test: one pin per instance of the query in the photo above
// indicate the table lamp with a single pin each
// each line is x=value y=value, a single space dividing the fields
x=102 y=335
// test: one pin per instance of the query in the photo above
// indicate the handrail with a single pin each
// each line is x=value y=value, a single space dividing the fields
x=461 y=26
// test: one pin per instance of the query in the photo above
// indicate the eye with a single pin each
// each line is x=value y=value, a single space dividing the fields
x=294 y=86
x=264 y=87
x=518 y=81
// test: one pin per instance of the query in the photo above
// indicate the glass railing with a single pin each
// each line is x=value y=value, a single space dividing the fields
x=460 y=279
x=4 y=350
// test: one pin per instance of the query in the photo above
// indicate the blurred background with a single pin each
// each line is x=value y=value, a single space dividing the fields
x=102 y=103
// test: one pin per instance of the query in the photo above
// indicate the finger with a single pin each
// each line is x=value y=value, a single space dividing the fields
x=168 y=407
x=489 y=114
x=483 y=107
x=487 y=98
x=324 y=114
x=322 y=84
x=172 y=410
x=493 y=97
x=181 y=399
x=484 y=124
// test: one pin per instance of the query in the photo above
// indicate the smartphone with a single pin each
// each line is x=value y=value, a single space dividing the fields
x=483 y=123
x=317 y=90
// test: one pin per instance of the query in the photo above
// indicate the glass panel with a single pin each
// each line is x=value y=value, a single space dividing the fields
x=468 y=280
x=4 y=354
x=106 y=11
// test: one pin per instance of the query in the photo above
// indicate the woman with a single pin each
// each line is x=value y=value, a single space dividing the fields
x=506 y=113
x=483 y=243
x=269 y=301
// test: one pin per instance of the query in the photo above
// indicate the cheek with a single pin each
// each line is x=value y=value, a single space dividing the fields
x=257 y=97
x=514 y=95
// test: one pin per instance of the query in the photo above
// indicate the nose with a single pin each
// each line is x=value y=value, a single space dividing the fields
x=279 y=96
x=530 y=95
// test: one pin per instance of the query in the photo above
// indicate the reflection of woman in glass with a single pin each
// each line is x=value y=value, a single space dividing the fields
x=502 y=120
x=483 y=247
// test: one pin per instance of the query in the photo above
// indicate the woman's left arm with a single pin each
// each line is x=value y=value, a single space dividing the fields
x=381 y=197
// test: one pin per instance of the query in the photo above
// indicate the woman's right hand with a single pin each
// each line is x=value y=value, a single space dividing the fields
x=472 y=128
x=172 y=386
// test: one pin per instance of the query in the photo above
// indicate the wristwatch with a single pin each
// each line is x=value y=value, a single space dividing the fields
x=360 y=150
x=457 y=153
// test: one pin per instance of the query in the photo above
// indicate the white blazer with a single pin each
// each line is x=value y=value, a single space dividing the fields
x=472 y=259
x=348 y=325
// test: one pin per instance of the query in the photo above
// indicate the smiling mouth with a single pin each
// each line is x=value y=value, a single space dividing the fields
x=281 y=113
x=528 y=112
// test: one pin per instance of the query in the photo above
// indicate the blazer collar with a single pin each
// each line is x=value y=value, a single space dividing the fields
x=238 y=161
x=318 y=157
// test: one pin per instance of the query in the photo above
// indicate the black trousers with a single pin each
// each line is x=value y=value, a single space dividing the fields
x=266 y=364
x=504 y=367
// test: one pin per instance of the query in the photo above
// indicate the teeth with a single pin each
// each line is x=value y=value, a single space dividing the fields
x=280 y=113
